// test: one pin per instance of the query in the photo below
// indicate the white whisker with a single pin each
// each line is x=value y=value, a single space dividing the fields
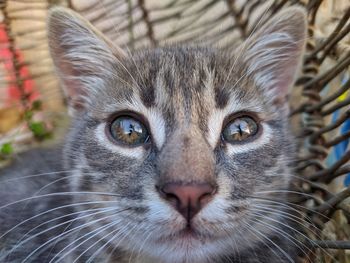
x=93 y=233
x=106 y=243
x=57 y=194
x=51 y=228
x=278 y=230
x=260 y=236
x=70 y=230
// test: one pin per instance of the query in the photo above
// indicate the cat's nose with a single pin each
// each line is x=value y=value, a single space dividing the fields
x=188 y=199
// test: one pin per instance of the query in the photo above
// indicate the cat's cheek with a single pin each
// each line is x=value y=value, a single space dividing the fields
x=215 y=209
x=159 y=211
x=277 y=177
x=263 y=139
x=104 y=141
x=214 y=212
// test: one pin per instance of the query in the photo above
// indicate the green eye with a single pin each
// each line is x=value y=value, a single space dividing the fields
x=240 y=129
x=129 y=131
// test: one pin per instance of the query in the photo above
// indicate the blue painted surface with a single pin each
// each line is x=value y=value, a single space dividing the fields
x=340 y=149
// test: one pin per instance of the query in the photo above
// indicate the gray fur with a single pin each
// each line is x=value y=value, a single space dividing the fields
x=183 y=86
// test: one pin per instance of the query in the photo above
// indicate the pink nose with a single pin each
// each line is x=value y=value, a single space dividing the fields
x=188 y=199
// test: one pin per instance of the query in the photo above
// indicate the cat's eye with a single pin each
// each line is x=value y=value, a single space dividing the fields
x=240 y=129
x=129 y=131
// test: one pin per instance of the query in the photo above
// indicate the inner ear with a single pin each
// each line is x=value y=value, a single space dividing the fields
x=84 y=59
x=272 y=56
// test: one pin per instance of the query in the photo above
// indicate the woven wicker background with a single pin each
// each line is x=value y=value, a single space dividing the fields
x=32 y=107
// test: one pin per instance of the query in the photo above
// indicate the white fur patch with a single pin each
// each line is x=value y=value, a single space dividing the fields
x=215 y=210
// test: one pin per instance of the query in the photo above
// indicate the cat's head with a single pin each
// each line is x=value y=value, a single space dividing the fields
x=188 y=141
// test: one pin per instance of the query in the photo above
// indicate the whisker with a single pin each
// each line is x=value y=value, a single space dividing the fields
x=93 y=233
x=72 y=231
x=36 y=175
x=58 y=218
x=58 y=194
x=52 y=228
x=54 y=182
x=109 y=241
x=277 y=246
x=235 y=246
x=67 y=227
x=286 y=191
x=290 y=216
x=52 y=210
x=302 y=178
x=290 y=205
x=293 y=229
x=281 y=223
x=277 y=230
x=261 y=235
x=142 y=245
x=106 y=243
x=51 y=183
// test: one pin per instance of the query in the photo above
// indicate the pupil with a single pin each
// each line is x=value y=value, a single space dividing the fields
x=131 y=129
x=240 y=129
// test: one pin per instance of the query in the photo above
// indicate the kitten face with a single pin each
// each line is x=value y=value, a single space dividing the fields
x=185 y=98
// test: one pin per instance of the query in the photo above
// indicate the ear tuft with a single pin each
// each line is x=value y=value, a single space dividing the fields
x=83 y=58
x=274 y=53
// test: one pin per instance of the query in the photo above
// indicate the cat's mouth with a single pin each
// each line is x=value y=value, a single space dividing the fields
x=188 y=235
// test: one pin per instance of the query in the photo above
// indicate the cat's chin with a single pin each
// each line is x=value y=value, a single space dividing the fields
x=187 y=245
x=187 y=248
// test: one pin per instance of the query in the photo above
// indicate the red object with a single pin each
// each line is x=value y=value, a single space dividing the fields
x=13 y=93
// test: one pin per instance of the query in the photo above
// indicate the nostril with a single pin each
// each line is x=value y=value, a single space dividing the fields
x=170 y=197
x=173 y=199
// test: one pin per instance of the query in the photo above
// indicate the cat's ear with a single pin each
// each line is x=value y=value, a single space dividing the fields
x=82 y=56
x=273 y=54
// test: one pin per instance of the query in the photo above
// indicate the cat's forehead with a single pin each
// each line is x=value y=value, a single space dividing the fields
x=184 y=82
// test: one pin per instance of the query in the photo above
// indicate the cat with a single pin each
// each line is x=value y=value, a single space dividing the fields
x=175 y=154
